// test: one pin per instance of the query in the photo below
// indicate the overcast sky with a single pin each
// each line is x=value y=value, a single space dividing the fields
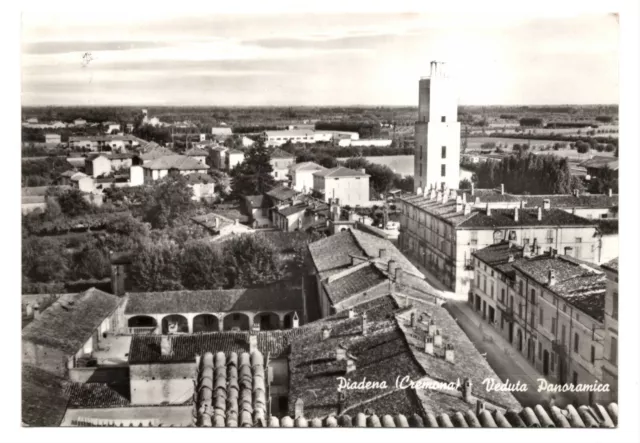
x=314 y=59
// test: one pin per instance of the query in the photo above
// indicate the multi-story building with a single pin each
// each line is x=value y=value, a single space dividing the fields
x=437 y=137
x=302 y=176
x=345 y=185
x=439 y=231
x=281 y=161
x=610 y=361
x=279 y=138
x=157 y=169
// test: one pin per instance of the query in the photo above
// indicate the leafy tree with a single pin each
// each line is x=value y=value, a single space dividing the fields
x=44 y=260
x=606 y=179
x=169 y=202
x=251 y=260
x=356 y=163
x=327 y=161
x=154 y=267
x=382 y=177
x=72 y=203
x=582 y=147
x=90 y=262
x=464 y=184
x=253 y=175
x=222 y=182
x=201 y=266
x=404 y=183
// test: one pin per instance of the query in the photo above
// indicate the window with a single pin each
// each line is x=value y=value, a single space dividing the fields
x=502 y=295
x=443 y=170
x=614 y=309
x=575 y=378
x=541 y=320
x=564 y=333
x=484 y=284
x=520 y=310
x=444 y=152
x=549 y=235
x=564 y=307
x=511 y=302
x=539 y=351
x=491 y=289
x=532 y=319
x=613 y=352
x=593 y=355
x=533 y=296
x=553 y=325
x=576 y=342
x=276 y=174
x=443 y=119
x=520 y=286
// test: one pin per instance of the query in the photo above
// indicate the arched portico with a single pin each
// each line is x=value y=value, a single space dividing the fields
x=268 y=321
x=206 y=323
x=238 y=321
x=174 y=324
x=142 y=324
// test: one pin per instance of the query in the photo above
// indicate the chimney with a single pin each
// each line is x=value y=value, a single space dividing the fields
x=36 y=311
x=438 y=196
x=522 y=204
x=431 y=328
x=392 y=266
x=217 y=222
x=433 y=194
x=341 y=353
x=342 y=397
x=413 y=319
x=351 y=365
x=554 y=252
x=546 y=204
x=437 y=339
x=501 y=188
x=610 y=192
x=477 y=201
x=577 y=192
x=428 y=344
x=539 y=213
x=488 y=210
x=479 y=407
x=235 y=222
x=464 y=198
x=325 y=333
x=448 y=353
x=567 y=250
x=467 y=209
x=253 y=343
x=511 y=258
x=458 y=204
x=364 y=323
x=296 y=320
x=299 y=409
x=466 y=390
x=29 y=310
x=383 y=253
x=473 y=189
x=398 y=274
x=552 y=277
x=445 y=197
x=351 y=312
x=165 y=346
x=516 y=215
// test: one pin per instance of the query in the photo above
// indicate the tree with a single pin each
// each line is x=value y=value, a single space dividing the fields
x=44 y=260
x=356 y=163
x=606 y=179
x=251 y=260
x=73 y=203
x=154 y=267
x=253 y=175
x=222 y=181
x=169 y=202
x=464 y=184
x=582 y=147
x=201 y=266
x=91 y=263
x=382 y=177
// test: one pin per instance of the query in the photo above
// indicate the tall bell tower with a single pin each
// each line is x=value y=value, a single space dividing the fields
x=437 y=134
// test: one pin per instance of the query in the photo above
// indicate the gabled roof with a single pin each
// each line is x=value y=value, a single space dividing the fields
x=154 y=151
x=526 y=217
x=279 y=153
x=284 y=296
x=497 y=255
x=290 y=133
x=195 y=152
x=340 y=171
x=293 y=209
x=611 y=265
x=282 y=193
x=256 y=201
x=95 y=395
x=69 y=322
x=180 y=162
x=307 y=166
x=600 y=161
x=362 y=279
x=44 y=397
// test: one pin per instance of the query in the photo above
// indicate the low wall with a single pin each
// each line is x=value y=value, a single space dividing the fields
x=177 y=416
x=99 y=374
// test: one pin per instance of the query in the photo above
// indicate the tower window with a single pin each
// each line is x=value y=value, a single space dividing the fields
x=444 y=152
x=443 y=170
x=443 y=119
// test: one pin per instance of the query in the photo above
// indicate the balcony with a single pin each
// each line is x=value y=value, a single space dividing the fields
x=508 y=315
x=559 y=348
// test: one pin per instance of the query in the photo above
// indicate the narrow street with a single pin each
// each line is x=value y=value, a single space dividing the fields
x=505 y=360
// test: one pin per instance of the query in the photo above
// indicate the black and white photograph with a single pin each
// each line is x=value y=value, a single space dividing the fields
x=358 y=219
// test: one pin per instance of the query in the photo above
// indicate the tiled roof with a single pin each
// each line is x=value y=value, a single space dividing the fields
x=292 y=209
x=362 y=279
x=279 y=153
x=307 y=166
x=277 y=297
x=539 y=416
x=572 y=201
x=195 y=152
x=181 y=162
x=33 y=191
x=184 y=348
x=611 y=265
x=234 y=152
x=257 y=201
x=600 y=161
x=69 y=322
x=497 y=255
x=96 y=395
x=372 y=244
x=154 y=151
x=581 y=285
x=44 y=397
x=282 y=193
x=209 y=220
x=340 y=171
x=526 y=217
x=607 y=226
x=446 y=212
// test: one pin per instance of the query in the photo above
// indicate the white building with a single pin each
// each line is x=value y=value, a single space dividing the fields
x=382 y=143
x=279 y=138
x=281 y=161
x=437 y=133
x=302 y=176
x=348 y=186
x=221 y=130
x=610 y=362
x=157 y=169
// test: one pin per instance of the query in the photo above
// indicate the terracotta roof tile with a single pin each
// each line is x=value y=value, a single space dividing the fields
x=353 y=283
x=44 y=397
x=180 y=162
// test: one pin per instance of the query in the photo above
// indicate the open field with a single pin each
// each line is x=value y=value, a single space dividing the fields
x=402 y=164
x=475 y=143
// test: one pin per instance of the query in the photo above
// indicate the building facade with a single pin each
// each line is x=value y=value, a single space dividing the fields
x=610 y=361
x=302 y=176
x=345 y=185
x=437 y=132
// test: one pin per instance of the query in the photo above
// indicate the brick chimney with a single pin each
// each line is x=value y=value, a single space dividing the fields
x=466 y=390
x=516 y=214
x=341 y=353
x=473 y=189
x=539 y=213
x=296 y=320
x=552 y=277
x=501 y=188
x=253 y=342
x=413 y=319
x=351 y=313
x=326 y=332
x=383 y=253
x=392 y=266
x=437 y=339
x=365 y=324
x=165 y=345
x=428 y=344
x=488 y=210
x=449 y=354
x=351 y=365
x=546 y=204
x=466 y=208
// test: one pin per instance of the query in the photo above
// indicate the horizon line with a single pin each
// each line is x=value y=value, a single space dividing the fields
x=305 y=106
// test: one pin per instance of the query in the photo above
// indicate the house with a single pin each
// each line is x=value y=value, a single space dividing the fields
x=232 y=158
x=607 y=241
x=597 y=163
x=257 y=208
x=159 y=168
x=221 y=130
x=153 y=151
x=53 y=138
x=114 y=143
x=382 y=143
x=440 y=230
x=79 y=122
x=203 y=186
x=302 y=176
x=610 y=361
x=282 y=195
x=247 y=142
x=198 y=154
x=347 y=186
x=32 y=120
x=220 y=226
x=64 y=336
x=281 y=161
x=31 y=203
x=110 y=127
x=302 y=214
x=44 y=397
x=279 y=138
